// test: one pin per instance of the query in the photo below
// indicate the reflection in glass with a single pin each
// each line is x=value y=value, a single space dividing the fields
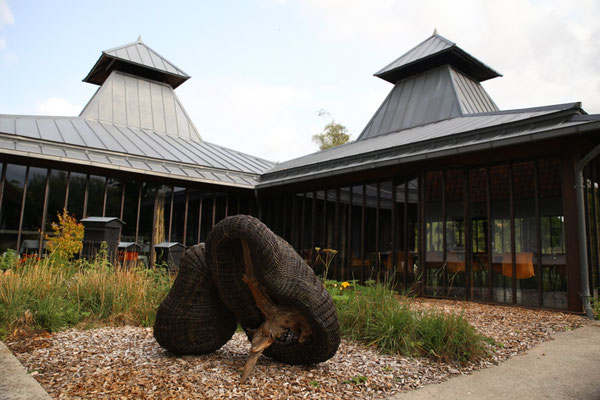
x=95 y=196
x=34 y=205
x=413 y=231
x=479 y=233
x=501 y=246
x=76 y=194
x=384 y=252
x=130 y=211
x=434 y=255
x=455 y=233
x=177 y=224
x=370 y=238
x=525 y=233
x=10 y=211
x=56 y=197
x=356 y=270
x=554 y=265
x=113 y=198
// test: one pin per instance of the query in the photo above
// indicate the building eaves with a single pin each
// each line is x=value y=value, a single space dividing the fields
x=435 y=140
x=90 y=134
x=28 y=147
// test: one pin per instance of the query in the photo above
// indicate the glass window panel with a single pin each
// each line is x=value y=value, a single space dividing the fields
x=356 y=231
x=113 y=198
x=384 y=252
x=399 y=230
x=455 y=233
x=193 y=212
x=221 y=205
x=179 y=196
x=207 y=206
x=343 y=233
x=130 y=210
x=76 y=194
x=413 y=230
x=479 y=233
x=370 y=233
x=146 y=219
x=525 y=233
x=501 y=247
x=95 y=196
x=554 y=265
x=56 y=197
x=10 y=210
x=34 y=205
x=308 y=219
x=434 y=256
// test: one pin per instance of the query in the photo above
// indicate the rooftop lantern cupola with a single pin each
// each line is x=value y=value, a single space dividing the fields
x=138 y=59
x=434 y=81
x=136 y=90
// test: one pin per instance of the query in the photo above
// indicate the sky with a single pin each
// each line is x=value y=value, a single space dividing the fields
x=262 y=70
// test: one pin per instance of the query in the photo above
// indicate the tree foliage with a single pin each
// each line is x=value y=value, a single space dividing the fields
x=333 y=135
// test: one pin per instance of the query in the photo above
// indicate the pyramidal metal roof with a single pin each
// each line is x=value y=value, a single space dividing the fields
x=136 y=58
x=434 y=52
x=432 y=96
x=141 y=103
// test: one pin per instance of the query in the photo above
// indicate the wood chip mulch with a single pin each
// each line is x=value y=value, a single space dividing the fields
x=126 y=362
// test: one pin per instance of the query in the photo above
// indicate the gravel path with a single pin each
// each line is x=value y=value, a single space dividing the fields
x=126 y=362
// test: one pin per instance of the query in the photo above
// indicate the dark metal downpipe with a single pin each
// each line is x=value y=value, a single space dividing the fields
x=585 y=282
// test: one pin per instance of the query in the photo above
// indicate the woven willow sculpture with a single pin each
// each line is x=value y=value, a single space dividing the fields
x=251 y=276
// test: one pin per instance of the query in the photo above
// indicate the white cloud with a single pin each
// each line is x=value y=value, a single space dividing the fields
x=548 y=51
x=6 y=18
x=273 y=122
x=58 y=106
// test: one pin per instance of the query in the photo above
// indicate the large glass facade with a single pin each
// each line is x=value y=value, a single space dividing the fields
x=487 y=233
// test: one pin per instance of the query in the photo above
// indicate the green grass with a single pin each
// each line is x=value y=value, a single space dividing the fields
x=51 y=296
x=374 y=315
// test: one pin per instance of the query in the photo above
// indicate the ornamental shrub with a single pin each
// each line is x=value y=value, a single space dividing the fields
x=67 y=238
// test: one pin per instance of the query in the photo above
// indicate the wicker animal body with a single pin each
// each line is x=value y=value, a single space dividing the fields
x=253 y=277
x=192 y=319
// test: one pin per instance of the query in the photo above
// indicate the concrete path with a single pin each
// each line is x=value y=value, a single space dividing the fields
x=565 y=368
x=15 y=382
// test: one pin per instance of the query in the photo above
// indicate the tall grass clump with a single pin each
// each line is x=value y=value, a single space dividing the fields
x=374 y=315
x=53 y=294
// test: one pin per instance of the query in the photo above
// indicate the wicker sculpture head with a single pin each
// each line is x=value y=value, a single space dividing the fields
x=250 y=276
